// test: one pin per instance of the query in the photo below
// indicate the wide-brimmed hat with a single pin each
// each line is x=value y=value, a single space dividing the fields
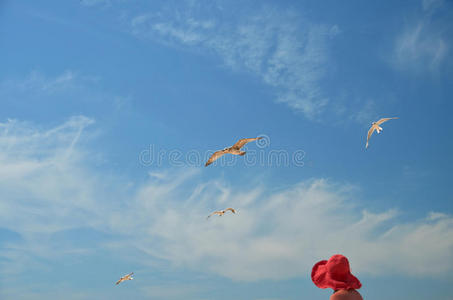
x=334 y=273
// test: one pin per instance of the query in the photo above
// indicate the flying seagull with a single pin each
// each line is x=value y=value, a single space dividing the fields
x=125 y=277
x=235 y=149
x=222 y=212
x=375 y=126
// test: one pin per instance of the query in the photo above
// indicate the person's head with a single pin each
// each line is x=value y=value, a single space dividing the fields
x=335 y=274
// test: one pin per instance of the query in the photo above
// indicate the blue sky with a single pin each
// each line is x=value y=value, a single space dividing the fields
x=88 y=89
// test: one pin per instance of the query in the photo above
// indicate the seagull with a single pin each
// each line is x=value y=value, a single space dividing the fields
x=125 y=277
x=375 y=126
x=235 y=149
x=222 y=212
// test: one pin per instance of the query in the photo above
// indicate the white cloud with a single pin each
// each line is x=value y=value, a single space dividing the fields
x=62 y=291
x=366 y=113
x=40 y=179
x=424 y=44
x=95 y=2
x=435 y=216
x=281 y=235
x=187 y=37
x=431 y=4
x=279 y=47
x=418 y=44
x=274 y=235
x=37 y=82
x=59 y=90
x=174 y=291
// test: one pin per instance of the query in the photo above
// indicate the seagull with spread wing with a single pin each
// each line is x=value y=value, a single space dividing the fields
x=222 y=212
x=375 y=126
x=125 y=277
x=235 y=149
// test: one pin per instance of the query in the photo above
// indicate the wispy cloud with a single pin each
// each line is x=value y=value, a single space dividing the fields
x=287 y=52
x=170 y=292
x=37 y=168
x=366 y=113
x=60 y=89
x=425 y=42
x=44 y=191
x=274 y=235
x=280 y=235
x=95 y=2
x=37 y=81
x=60 y=292
x=430 y=5
x=418 y=45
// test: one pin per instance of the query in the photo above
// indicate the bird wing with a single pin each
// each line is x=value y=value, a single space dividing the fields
x=125 y=277
x=232 y=210
x=215 y=156
x=384 y=120
x=239 y=144
x=370 y=132
x=213 y=213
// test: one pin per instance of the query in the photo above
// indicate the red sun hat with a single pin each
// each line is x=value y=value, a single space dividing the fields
x=334 y=273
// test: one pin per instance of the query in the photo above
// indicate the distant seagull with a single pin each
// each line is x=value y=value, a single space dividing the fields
x=125 y=277
x=375 y=126
x=222 y=212
x=235 y=149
